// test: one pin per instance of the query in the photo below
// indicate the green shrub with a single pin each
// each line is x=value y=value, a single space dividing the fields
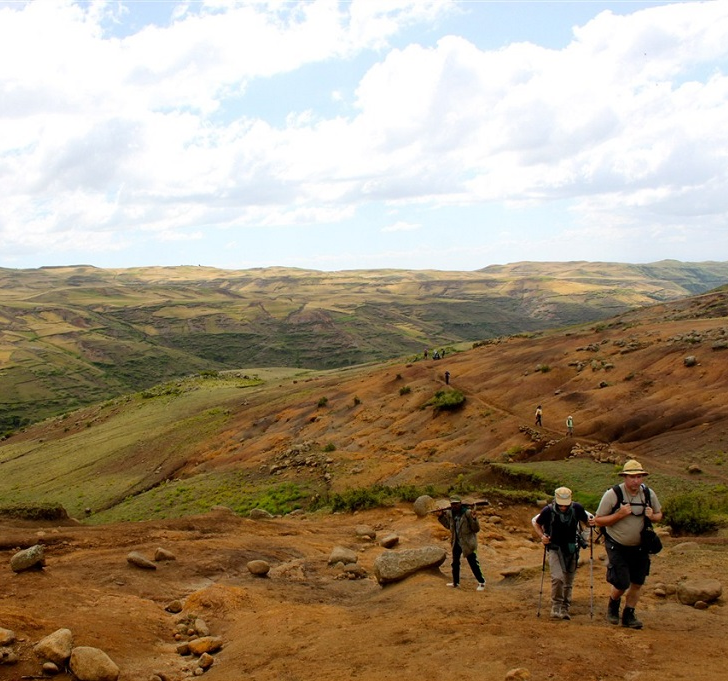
x=447 y=400
x=363 y=498
x=323 y=401
x=330 y=447
x=690 y=513
x=405 y=390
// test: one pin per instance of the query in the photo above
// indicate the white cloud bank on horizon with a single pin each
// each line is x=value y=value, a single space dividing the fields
x=322 y=134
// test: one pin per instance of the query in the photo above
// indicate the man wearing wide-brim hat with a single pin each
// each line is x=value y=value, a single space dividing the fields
x=629 y=563
x=464 y=527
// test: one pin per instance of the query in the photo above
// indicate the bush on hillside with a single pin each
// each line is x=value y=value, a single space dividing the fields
x=690 y=513
x=446 y=400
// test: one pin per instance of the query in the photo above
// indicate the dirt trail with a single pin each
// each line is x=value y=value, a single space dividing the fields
x=305 y=623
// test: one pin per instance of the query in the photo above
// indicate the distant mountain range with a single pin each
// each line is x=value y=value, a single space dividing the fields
x=71 y=336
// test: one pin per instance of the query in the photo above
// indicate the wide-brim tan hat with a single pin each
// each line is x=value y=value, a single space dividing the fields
x=562 y=496
x=633 y=467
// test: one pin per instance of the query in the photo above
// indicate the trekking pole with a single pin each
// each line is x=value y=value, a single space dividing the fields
x=543 y=572
x=591 y=572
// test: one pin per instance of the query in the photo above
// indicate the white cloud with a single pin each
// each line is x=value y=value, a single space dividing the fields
x=102 y=134
x=401 y=226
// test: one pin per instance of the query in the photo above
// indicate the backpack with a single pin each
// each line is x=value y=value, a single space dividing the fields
x=578 y=541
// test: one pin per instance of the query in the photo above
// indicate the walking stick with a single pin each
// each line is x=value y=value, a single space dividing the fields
x=543 y=572
x=591 y=572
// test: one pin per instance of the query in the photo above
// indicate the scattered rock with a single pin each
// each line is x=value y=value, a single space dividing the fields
x=31 y=558
x=519 y=674
x=8 y=656
x=392 y=566
x=259 y=514
x=162 y=554
x=55 y=647
x=206 y=644
x=365 y=532
x=259 y=568
x=206 y=661
x=354 y=571
x=137 y=560
x=7 y=636
x=389 y=541
x=689 y=592
x=174 y=606
x=690 y=361
x=92 y=664
x=201 y=627
x=422 y=505
x=341 y=554
x=50 y=668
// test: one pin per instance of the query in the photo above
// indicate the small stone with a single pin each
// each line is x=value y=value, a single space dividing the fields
x=163 y=555
x=174 y=607
x=259 y=568
x=137 y=560
x=206 y=660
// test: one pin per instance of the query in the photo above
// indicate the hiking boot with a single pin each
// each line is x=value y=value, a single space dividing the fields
x=613 y=611
x=481 y=587
x=565 y=614
x=555 y=612
x=630 y=620
x=453 y=585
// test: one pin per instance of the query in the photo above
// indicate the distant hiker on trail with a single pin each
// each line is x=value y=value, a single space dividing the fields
x=539 y=413
x=629 y=563
x=442 y=353
x=447 y=378
x=425 y=353
x=570 y=425
x=464 y=527
x=436 y=355
x=559 y=526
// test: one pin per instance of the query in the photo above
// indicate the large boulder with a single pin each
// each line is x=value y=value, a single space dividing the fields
x=393 y=566
x=690 y=591
x=55 y=647
x=422 y=505
x=92 y=664
x=34 y=557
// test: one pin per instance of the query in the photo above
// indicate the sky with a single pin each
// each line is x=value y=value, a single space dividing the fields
x=367 y=134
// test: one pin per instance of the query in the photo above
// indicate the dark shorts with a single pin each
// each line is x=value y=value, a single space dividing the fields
x=627 y=565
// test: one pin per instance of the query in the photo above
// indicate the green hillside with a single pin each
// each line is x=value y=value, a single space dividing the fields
x=71 y=336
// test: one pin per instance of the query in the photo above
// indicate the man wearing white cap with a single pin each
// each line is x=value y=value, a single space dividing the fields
x=629 y=563
x=557 y=526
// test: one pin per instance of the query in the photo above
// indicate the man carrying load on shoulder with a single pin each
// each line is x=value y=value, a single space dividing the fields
x=623 y=520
